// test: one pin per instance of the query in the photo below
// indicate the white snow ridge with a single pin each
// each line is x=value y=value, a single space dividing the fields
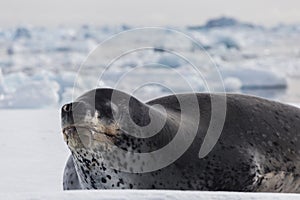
x=149 y=195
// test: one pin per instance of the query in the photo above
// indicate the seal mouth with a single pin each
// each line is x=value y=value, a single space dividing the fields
x=71 y=129
x=86 y=134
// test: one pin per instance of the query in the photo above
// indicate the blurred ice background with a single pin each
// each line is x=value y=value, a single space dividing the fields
x=39 y=65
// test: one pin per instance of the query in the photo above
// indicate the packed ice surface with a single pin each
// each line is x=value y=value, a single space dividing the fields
x=40 y=66
x=32 y=151
x=149 y=195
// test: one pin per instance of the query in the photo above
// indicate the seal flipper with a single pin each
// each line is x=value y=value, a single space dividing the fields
x=279 y=182
x=70 y=180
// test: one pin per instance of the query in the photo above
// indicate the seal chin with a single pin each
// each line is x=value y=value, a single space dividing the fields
x=77 y=137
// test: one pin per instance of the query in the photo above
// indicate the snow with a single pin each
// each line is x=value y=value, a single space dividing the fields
x=1 y=83
x=24 y=92
x=32 y=151
x=254 y=78
x=150 y=195
x=232 y=84
x=170 y=60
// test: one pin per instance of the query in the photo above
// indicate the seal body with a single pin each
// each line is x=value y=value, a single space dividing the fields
x=258 y=149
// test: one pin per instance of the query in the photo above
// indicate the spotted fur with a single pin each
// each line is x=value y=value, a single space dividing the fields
x=258 y=149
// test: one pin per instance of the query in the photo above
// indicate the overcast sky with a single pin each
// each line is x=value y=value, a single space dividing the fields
x=145 y=12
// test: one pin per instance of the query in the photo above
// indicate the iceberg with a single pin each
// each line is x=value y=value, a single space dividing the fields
x=250 y=57
x=255 y=78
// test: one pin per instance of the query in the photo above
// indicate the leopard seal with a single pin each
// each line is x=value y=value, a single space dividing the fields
x=258 y=149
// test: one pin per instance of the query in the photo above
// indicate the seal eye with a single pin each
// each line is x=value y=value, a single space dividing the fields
x=67 y=107
x=79 y=107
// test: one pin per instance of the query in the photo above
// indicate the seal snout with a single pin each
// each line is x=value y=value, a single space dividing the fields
x=69 y=130
x=72 y=113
